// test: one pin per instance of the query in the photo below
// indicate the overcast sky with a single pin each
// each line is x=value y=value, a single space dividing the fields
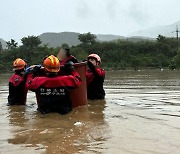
x=19 y=18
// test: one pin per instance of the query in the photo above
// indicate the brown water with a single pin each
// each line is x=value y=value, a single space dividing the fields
x=141 y=115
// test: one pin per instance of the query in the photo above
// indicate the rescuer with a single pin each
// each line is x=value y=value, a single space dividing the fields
x=17 y=84
x=53 y=91
x=95 y=78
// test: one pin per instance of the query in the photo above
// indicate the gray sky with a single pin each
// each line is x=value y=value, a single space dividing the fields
x=19 y=18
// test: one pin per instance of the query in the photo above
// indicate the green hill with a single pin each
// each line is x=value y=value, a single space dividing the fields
x=71 y=38
x=57 y=39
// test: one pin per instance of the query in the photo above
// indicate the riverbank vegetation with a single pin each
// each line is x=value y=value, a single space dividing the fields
x=119 y=54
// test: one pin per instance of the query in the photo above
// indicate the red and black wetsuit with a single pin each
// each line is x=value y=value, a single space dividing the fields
x=17 y=89
x=68 y=59
x=95 y=79
x=53 y=93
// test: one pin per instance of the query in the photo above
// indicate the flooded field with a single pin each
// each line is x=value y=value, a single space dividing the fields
x=140 y=115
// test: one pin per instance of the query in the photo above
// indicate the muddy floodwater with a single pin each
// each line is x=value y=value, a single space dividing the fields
x=140 y=115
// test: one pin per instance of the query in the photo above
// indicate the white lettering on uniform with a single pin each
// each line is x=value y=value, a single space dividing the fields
x=54 y=92
x=61 y=90
x=48 y=92
x=42 y=90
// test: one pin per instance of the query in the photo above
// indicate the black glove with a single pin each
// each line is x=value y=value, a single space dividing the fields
x=35 y=70
x=91 y=66
x=69 y=67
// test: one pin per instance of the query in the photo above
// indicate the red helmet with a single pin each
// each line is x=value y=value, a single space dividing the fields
x=95 y=56
x=52 y=64
x=19 y=64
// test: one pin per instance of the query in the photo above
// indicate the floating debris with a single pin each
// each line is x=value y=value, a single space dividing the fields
x=78 y=124
x=45 y=131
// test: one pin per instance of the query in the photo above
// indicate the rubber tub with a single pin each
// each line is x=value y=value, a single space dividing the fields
x=79 y=95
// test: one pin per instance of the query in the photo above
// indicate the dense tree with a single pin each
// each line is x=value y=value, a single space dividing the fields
x=11 y=44
x=31 y=41
x=87 y=38
x=64 y=45
x=161 y=38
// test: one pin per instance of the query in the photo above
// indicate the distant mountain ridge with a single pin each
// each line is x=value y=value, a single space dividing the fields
x=109 y=37
x=71 y=38
x=168 y=31
x=3 y=43
x=57 y=39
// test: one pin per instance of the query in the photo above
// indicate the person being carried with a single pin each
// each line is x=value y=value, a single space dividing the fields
x=95 y=78
x=64 y=56
x=17 y=84
x=53 y=91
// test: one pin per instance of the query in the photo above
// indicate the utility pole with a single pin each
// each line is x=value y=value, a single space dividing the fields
x=177 y=35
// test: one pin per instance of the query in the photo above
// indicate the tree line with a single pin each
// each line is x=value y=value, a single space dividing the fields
x=119 y=54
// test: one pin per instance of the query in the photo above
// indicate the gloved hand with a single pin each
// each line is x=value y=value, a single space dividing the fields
x=69 y=67
x=36 y=69
x=28 y=70
x=90 y=65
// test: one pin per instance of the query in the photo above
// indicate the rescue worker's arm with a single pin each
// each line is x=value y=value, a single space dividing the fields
x=32 y=83
x=69 y=68
x=70 y=81
x=77 y=78
x=34 y=69
x=73 y=59
x=31 y=73
x=97 y=72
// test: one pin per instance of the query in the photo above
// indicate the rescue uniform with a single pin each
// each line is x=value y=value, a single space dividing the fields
x=95 y=79
x=17 y=89
x=53 y=93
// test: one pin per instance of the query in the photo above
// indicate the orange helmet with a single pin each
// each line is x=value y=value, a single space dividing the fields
x=51 y=64
x=19 y=64
x=95 y=56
